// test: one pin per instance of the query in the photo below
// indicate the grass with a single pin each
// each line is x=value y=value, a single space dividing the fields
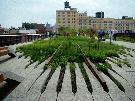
x=40 y=50
x=73 y=78
x=69 y=51
x=126 y=39
x=123 y=38
x=98 y=52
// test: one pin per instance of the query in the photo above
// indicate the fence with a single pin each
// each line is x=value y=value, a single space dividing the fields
x=6 y=40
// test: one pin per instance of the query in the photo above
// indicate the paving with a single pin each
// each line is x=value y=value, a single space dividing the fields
x=114 y=92
x=98 y=93
x=50 y=93
x=32 y=81
x=66 y=93
x=34 y=93
x=82 y=91
x=125 y=44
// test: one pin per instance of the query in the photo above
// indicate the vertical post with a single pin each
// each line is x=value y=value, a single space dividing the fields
x=110 y=36
x=98 y=43
x=110 y=40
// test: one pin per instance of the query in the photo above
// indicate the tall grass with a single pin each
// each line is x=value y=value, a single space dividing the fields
x=69 y=52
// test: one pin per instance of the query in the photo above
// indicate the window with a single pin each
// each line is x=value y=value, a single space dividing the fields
x=110 y=21
x=110 y=24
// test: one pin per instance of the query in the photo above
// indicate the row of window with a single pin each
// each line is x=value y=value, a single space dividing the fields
x=65 y=26
x=125 y=24
x=122 y=28
x=66 y=12
x=117 y=22
x=67 y=15
x=102 y=22
x=68 y=22
x=68 y=18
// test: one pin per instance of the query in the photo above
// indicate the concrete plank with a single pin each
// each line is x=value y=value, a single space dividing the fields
x=66 y=93
x=129 y=89
x=20 y=91
x=50 y=93
x=34 y=93
x=114 y=92
x=82 y=91
x=98 y=93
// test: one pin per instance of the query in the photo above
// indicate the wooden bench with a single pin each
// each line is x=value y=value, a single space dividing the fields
x=1 y=78
x=5 y=51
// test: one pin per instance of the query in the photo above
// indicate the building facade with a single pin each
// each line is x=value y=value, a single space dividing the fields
x=67 y=18
x=72 y=18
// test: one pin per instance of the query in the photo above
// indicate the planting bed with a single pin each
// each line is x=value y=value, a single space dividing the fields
x=75 y=68
x=70 y=52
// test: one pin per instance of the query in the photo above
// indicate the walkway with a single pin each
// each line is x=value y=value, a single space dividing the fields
x=39 y=85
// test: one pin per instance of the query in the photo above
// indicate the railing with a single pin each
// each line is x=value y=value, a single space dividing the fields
x=6 y=40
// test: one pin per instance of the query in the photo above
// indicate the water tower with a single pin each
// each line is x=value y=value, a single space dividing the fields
x=66 y=4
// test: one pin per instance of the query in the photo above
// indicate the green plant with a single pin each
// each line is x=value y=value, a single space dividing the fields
x=69 y=51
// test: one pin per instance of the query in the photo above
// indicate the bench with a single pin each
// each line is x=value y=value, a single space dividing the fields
x=1 y=78
x=6 y=50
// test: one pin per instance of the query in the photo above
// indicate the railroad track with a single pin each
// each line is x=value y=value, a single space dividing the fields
x=62 y=84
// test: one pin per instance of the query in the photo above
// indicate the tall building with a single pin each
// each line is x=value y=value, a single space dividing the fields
x=70 y=17
x=67 y=18
x=102 y=23
x=100 y=14
x=83 y=20
x=124 y=24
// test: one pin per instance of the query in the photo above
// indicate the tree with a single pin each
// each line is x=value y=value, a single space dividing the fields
x=69 y=30
x=28 y=25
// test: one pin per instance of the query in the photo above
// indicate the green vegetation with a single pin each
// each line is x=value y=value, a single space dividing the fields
x=126 y=38
x=73 y=78
x=70 y=52
x=103 y=67
x=40 y=50
x=123 y=38
x=73 y=31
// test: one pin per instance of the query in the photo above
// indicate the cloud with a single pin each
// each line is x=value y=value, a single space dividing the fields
x=14 y=12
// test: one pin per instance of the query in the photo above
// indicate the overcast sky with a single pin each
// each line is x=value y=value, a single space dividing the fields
x=14 y=12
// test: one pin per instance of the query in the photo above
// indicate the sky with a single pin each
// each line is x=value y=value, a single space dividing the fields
x=14 y=12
